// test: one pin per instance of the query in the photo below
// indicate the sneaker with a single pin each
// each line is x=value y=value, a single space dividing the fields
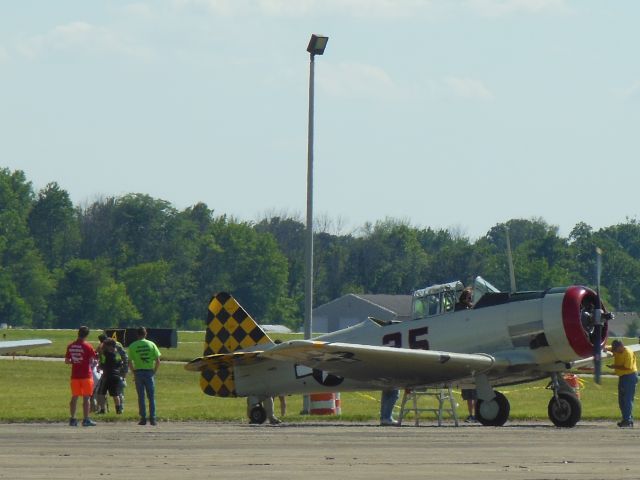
x=275 y=421
x=118 y=409
x=152 y=421
x=389 y=422
x=625 y=424
x=73 y=422
x=87 y=422
x=470 y=419
x=143 y=421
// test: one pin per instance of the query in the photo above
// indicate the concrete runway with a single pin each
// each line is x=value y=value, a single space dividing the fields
x=519 y=450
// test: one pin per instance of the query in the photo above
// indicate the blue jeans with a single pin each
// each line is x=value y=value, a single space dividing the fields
x=626 y=392
x=387 y=401
x=145 y=382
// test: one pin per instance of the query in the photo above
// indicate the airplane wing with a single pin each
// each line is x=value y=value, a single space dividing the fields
x=388 y=364
x=14 y=346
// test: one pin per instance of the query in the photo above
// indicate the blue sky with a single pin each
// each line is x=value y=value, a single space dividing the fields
x=455 y=114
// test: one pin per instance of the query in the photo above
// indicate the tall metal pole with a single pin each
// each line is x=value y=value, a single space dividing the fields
x=512 y=275
x=316 y=46
x=308 y=282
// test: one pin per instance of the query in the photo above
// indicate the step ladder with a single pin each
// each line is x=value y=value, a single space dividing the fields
x=442 y=395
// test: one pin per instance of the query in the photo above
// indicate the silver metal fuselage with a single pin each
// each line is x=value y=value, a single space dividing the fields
x=526 y=335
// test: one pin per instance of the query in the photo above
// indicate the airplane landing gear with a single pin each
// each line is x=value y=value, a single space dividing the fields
x=493 y=413
x=565 y=409
x=257 y=415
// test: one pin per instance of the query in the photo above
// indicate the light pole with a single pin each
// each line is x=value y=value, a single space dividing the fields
x=316 y=46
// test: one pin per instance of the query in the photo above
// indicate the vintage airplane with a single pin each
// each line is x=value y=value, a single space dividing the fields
x=12 y=347
x=505 y=339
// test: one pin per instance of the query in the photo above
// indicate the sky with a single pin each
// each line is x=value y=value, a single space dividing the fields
x=456 y=114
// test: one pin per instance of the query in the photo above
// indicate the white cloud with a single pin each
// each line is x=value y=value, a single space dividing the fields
x=303 y=8
x=81 y=36
x=356 y=80
x=468 y=88
x=387 y=9
x=499 y=8
x=631 y=91
x=138 y=10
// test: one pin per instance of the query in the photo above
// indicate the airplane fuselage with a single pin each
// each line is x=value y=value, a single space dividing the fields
x=529 y=334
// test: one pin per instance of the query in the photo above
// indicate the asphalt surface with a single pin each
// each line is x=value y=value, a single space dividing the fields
x=526 y=450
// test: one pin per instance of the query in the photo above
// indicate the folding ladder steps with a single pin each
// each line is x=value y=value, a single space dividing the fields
x=443 y=396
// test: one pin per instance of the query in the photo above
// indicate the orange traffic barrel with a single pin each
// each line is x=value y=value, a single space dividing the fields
x=322 y=404
x=574 y=382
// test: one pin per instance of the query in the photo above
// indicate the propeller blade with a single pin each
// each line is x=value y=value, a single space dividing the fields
x=597 y=353
x=597 y=330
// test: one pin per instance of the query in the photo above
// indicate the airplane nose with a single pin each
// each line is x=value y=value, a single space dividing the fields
x=578 y=322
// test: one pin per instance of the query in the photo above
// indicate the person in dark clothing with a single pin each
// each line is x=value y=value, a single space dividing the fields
x=466 y=300
x=112 y=367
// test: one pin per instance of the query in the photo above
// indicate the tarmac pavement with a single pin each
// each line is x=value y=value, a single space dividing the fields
x=519 y=450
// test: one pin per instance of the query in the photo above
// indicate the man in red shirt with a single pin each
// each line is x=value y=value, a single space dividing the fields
x=81 y=356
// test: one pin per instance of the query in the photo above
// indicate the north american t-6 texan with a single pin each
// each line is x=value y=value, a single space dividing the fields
x=506 y=338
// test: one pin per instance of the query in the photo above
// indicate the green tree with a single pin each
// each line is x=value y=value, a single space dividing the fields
x=187 y=237
x=24 y=279
x=291 y=237
x=128 y=230
x=150 y=289
x=113 y=306
x=247 y=263
x=54 y=226
x=87 y=294
x=388 y=258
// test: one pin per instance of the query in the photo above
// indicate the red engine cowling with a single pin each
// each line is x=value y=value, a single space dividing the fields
x=579 y=332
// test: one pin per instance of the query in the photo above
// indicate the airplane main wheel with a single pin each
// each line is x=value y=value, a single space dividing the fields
x=565 y=411
x=257 y=415
x=493 y=413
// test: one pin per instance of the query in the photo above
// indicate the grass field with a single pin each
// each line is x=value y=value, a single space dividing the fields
x=33 y=391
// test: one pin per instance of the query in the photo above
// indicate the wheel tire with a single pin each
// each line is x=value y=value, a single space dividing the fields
x=493 y=413
x=566 y=411
x=257 y=415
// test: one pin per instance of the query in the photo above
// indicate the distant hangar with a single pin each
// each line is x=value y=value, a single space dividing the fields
x=353 y=308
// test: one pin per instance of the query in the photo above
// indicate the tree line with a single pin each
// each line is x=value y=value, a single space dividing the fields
x=134 y=259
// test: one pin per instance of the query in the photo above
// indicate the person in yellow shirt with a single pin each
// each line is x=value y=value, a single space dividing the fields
x=624 y=365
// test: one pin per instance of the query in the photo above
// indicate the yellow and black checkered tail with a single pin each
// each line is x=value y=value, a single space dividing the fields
x=229 y=329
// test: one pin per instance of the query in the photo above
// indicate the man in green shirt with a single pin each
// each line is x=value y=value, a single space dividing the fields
x=144 y=361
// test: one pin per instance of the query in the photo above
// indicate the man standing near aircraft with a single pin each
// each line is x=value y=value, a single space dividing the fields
x=81 y=356
x=624 y=364
x=144 y=361
x=387 y=402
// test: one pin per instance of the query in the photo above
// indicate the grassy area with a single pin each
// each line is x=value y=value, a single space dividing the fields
x=39 y=391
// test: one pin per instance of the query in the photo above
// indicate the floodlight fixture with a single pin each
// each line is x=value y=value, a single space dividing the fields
x=317 y=44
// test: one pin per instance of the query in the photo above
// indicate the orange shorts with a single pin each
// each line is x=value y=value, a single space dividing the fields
x=82 y=387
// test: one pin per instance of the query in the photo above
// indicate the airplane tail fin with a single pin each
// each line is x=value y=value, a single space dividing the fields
x=229 y=329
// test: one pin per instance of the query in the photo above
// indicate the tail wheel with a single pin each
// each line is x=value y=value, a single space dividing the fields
x=493 y=413
x=257 y=415
x=565 y=411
